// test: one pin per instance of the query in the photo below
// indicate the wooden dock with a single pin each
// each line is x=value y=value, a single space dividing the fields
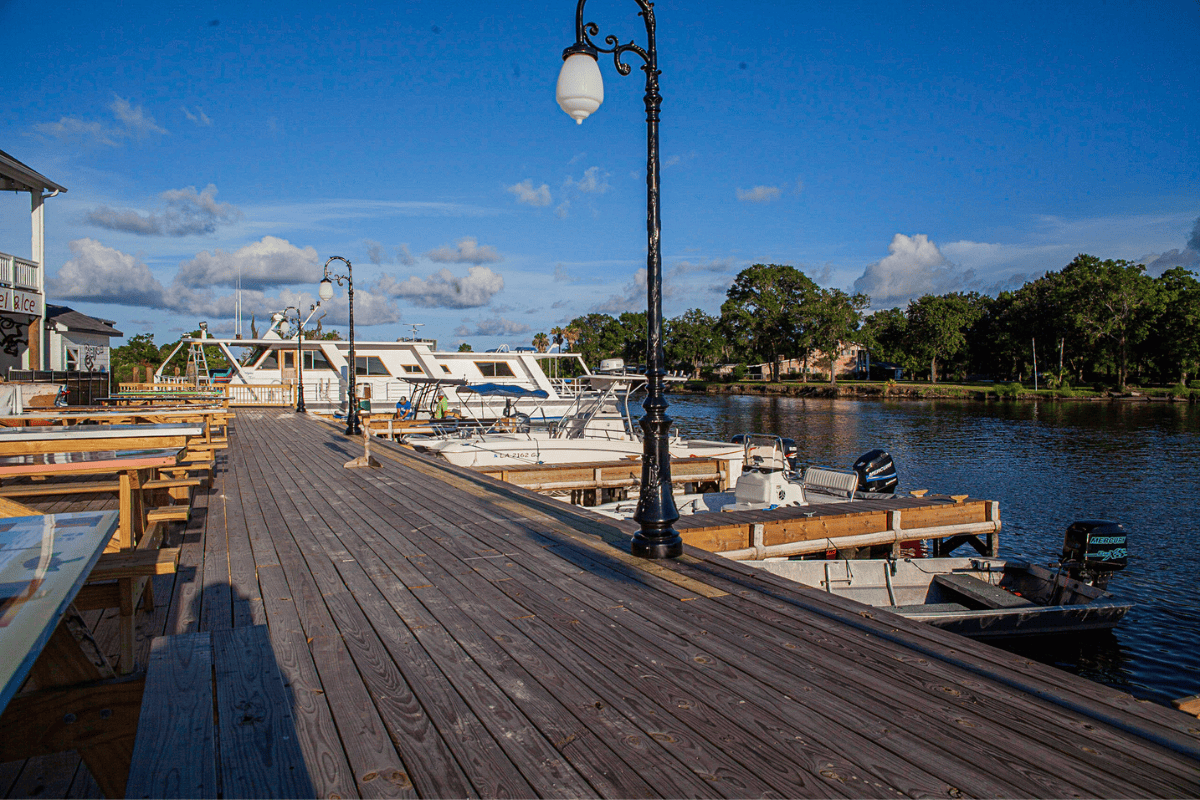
x=443 y=634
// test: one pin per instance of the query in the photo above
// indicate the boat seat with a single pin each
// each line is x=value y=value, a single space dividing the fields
x=980 y=593
x=928 y=608
x=831 y=481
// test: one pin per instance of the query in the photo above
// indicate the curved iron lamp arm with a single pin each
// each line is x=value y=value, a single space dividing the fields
x=353 y=426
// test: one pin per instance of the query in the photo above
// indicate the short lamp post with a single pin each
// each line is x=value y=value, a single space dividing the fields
x=580 y=91
x=353 y=428
x=285 y=330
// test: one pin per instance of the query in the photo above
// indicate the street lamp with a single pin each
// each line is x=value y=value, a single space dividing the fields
x=326 y=293
x=284 y=330
x=580 y=91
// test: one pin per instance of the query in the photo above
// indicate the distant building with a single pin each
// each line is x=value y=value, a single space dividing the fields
x=23 y=280
x=77 y=341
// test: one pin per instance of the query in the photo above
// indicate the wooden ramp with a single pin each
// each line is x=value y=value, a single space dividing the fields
x=446 y=635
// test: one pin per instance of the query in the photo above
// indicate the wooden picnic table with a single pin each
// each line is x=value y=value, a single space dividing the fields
x=84 y=437
x=215 y=417
x=138 y=525
x=134 y=468
x=164 y=398
x=44 y=561
x=75 y=702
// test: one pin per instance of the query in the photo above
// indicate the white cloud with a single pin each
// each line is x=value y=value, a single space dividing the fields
x=131 y=121
x=497 y=326
x=104 y=275
x=592 y=182
x=563 y=209
x=198 y=117
x=759 y=194
x=720 y=265
x=403 y=256
x=270 y=262
x=370 y=308
x=377 y=253
x=913 y=267
x=631 y=298
x=71 y=129
x=525 y=193
x=186 y=212
x=465 y=251
x=135 y=120
x=443 y=290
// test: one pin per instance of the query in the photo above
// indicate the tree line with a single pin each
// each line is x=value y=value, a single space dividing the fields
x=1093 y=322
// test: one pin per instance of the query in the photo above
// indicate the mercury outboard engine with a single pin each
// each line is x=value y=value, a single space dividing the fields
x=876 y=472
x=1093 y=550
x=789 y=452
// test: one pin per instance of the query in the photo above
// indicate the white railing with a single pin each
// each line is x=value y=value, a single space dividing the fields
x=274 y=394
x=19 y=273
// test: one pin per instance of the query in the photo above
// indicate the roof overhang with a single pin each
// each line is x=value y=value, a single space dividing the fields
x=18 y=177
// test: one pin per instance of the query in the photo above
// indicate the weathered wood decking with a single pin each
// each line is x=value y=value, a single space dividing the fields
x=447 y=635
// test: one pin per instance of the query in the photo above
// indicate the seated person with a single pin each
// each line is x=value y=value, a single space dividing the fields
x=404 y=409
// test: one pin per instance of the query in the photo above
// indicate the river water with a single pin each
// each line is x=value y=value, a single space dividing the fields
x=1048 y=464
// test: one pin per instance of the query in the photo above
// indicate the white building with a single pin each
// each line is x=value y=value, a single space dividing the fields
x=23 y=280
x=77 y=341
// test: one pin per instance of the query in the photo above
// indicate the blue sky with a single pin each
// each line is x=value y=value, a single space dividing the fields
x=895 y=148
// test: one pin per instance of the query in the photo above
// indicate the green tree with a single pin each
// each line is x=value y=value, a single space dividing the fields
x=766 y=310
x=464 y=348
x=1113 y=304
x=633 y=329
x=885 y=335
x=692 y=338
x=833 y=321
x=597 y=336
x=541 y=342
x=937 y=328
x=139 y=352
x=1176 y=330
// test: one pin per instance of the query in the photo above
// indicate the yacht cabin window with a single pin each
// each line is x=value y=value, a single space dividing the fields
x=494 y=369
x=315 y=359
x=414 y=369
x=369 y=365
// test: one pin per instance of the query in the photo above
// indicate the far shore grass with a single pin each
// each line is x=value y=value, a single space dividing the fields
x=925 y=390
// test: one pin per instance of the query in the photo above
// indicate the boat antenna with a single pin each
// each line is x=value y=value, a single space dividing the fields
x=414 y=326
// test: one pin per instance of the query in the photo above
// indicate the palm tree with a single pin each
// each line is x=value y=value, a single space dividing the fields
x=572 y=336
x=557 y=334
x=541 y=342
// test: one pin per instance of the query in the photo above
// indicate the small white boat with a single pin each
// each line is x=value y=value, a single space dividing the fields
x=771 y=479
x=984 y=597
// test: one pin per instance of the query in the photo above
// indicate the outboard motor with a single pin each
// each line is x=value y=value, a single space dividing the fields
x=790 y=453
x=876 y=472
x=1093 y=550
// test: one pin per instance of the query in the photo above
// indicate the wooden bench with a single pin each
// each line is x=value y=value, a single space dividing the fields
x=52 y=489
x=250 y=750
x=978 y=592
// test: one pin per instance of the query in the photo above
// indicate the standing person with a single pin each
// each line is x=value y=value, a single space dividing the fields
x=442 y=408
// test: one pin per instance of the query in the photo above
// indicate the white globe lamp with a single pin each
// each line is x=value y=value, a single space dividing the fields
x=580 y=89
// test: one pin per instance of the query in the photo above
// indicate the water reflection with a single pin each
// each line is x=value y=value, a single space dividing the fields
x=1048 y=464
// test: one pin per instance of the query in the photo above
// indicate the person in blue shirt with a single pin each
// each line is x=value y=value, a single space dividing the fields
x=404 y=409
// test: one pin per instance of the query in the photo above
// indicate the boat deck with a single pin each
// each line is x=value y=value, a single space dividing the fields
x=448 y=635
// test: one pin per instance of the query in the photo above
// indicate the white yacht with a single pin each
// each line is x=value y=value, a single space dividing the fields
x=545 y=384
x=597 y=427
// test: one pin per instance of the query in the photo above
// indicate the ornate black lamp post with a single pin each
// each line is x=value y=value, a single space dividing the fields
x=580 y=92
x=353 y=428
x=284 y=325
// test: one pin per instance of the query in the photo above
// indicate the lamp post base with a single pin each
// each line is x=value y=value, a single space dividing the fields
x=670 y=546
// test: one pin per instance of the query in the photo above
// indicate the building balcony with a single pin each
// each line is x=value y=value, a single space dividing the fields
x=19 y=273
